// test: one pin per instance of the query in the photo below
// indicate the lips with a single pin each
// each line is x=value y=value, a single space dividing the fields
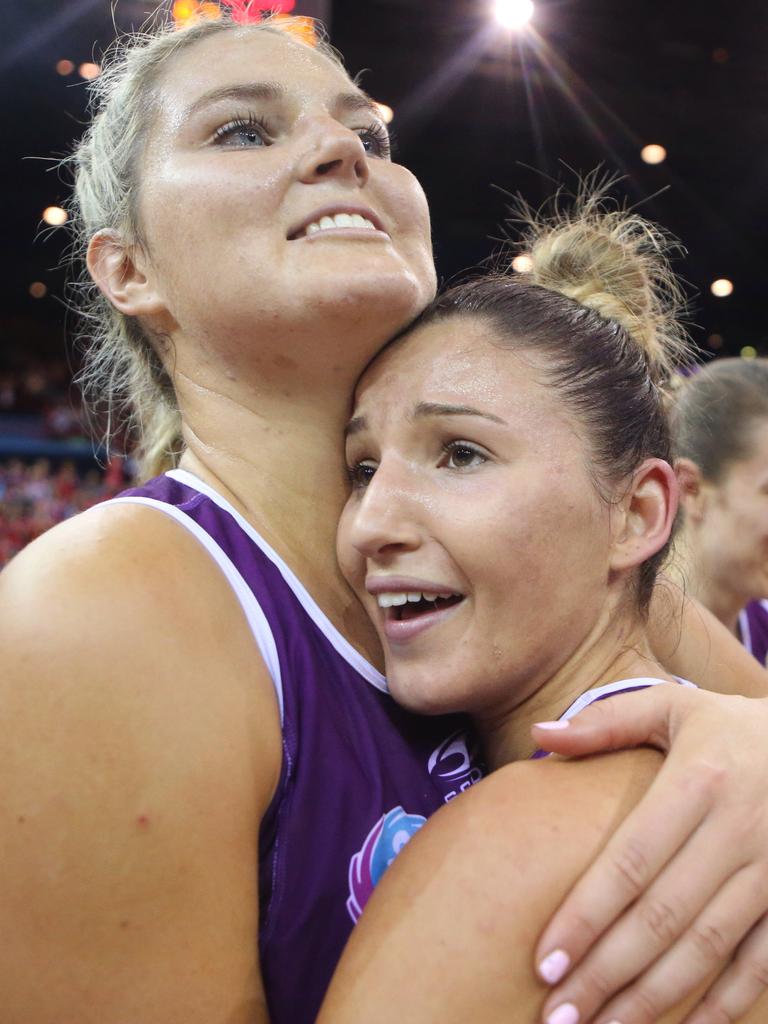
x=409 y=606
x=340 y=218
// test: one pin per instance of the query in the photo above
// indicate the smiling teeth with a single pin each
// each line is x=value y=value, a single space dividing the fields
x=395 y=599
x=340 y=220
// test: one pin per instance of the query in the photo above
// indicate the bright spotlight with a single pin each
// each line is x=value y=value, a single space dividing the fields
x=513 y=13
x=748 y=352
x=522 y=264
x=653 y=154
x=55 y=216
x=721 y=288
x=89 y=71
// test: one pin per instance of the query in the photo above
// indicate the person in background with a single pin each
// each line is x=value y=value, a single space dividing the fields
x=720 y=424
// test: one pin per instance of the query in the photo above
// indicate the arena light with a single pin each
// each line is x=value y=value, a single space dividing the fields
x=653 y=154
x=387 y=113
x=522 y=264
x=721 y=288
x=89 y=71
x=715 y=341
x=185 y=11
x=748 y=352
x=55 y=216
x=65 y=67
x=38 y=290
x=513 y=13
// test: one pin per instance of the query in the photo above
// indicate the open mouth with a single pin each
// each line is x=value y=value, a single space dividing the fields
x=404 y=606
x=336 y=220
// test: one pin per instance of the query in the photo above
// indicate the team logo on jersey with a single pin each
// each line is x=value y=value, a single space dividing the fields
x=453 y=765
x=382 y=844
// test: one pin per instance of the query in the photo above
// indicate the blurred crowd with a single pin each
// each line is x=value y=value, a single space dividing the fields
x=42 y=389
x=36 y=496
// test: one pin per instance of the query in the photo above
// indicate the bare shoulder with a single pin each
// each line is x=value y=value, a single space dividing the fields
x=453 y=924
x=142 y=745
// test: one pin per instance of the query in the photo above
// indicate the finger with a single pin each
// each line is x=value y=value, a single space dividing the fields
x=703 y=949
x=648 y=839
x=649 y=928
x=626 y=720
x=740 y=986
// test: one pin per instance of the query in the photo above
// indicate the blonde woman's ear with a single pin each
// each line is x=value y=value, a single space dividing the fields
x=647 y=510
x=121 y=277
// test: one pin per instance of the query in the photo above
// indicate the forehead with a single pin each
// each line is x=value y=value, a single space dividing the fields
x=242 y=55
x=460 y=360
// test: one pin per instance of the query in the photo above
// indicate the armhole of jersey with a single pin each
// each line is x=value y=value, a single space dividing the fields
x=257 y=620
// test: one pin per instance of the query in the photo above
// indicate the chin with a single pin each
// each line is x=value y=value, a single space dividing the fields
x=424 y=697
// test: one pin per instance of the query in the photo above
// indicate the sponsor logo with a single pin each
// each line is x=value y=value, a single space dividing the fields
x=452 y=765
x=382 y=844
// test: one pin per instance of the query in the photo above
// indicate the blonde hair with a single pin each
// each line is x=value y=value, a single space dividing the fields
x=123 y=380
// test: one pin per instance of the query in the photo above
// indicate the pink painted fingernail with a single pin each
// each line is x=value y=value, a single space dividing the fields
x=553 y=967
x=565 y=1014
x=552 y=726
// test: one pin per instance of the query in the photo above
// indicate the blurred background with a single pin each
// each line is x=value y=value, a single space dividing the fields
x=487 y=98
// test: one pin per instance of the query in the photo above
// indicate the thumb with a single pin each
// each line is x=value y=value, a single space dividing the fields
x=624 y=720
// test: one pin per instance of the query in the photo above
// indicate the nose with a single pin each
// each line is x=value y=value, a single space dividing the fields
x=384 y=524
x=334 y=151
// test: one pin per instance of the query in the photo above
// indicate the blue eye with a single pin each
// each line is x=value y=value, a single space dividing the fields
x=243 y=133
x=376 y=141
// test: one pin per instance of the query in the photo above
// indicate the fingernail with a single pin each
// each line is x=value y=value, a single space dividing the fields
x=565 y=1014
x=553 y=967
x=560 y=724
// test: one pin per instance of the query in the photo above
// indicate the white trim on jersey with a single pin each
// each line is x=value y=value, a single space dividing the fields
x=604 y=691
x=257 y=620
x=339 y=643
x=744 y=631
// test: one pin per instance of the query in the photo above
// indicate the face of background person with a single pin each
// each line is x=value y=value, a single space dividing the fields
x=734 y=524
x=233 y=174
x=495 y=505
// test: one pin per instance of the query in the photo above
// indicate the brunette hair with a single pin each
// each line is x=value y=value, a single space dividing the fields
x=600 y=303
x=715 y=412
x=123 y=379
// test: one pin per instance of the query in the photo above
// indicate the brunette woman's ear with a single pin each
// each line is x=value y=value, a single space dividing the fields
x=121 y=276
x=644 y=515
x=693 y=492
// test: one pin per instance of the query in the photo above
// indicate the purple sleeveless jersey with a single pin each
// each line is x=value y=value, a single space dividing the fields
x=753 y=628
x=359 y=775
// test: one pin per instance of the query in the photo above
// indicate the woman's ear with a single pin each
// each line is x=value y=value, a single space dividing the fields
x=648 y=510
x=693 y=496
x=121 y=277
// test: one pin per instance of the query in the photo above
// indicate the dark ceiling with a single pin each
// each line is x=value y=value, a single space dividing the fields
x=473 y=108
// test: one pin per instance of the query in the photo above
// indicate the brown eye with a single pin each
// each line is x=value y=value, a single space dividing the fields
x=460 y=455
x=361 y=474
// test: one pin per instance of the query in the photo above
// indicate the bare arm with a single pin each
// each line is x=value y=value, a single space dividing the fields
x=141 y=748
x=450 y=932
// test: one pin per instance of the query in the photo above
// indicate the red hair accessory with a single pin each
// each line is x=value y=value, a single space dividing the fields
x=247 y=11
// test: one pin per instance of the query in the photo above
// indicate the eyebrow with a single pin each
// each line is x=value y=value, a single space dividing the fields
x=348 y=102
x=426 y=409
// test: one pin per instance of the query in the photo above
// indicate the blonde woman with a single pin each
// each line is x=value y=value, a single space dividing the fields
x=202 y=753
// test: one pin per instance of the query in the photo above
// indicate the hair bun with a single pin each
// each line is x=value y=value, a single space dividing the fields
x=612 y=261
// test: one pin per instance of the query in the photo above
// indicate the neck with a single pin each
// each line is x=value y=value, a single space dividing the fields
x=714 y=593
x=275 y=452
x=618 y=650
